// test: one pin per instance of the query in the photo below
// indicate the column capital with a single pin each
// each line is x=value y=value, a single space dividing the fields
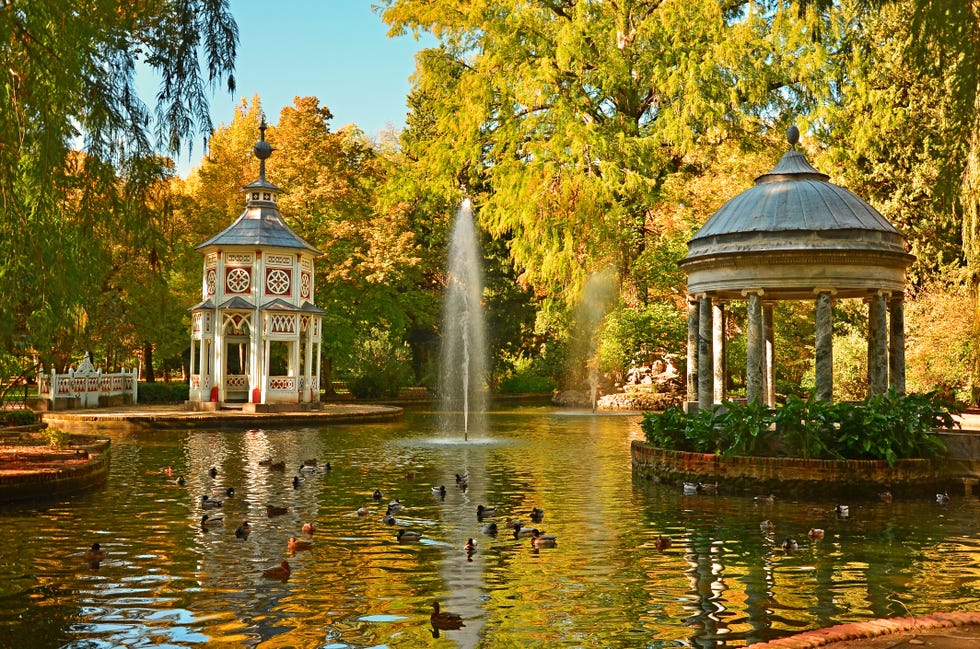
x=817 y=290
x=753 y=291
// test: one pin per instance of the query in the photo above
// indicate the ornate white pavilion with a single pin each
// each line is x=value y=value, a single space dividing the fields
x=256 y=334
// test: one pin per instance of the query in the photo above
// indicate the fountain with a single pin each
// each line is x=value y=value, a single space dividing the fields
x=593 y=303
x=462 y=365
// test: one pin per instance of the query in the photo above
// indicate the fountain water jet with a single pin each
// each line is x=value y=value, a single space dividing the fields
x=462 y=367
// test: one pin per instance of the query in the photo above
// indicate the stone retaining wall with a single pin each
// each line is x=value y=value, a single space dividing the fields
x=45 y=483
x=794 y=476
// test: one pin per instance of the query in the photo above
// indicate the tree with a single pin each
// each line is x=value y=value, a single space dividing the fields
x=68 y=82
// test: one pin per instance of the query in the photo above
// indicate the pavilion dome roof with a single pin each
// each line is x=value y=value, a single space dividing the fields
x=793 y=214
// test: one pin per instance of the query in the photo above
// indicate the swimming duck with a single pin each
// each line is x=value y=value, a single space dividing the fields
x=439 y=492
x=886 y=496
x=815 y=534
x=377 y=495
x=689 y=489
x=707 y=488
x=394 y=507
x=388 y=519
x=462 y=481
x=537 y=515
x=95 y=555
x=327 y=468
x=411 y=475
x=764 y=500
x=490 y=529
x=408 y=536
x=213 y=472
x=280 y=572
x=482 y=512
x=309 y=528
x=209 y=521
x=790 y=544
x=274 y=510
x=210 y=503
x=277 y=466
x=444 y=620
x=308 y=468
x=767 y=526
x=266 y=462
x=470 y=547
x=181 y=481
x=295 y=545
x=539 y=540
x=297 y=481
x=243 y=530
x=230 y=491
x=362 y=511
x=943 y=498
x=842 y=511
x=663 y=542
x=521 y=532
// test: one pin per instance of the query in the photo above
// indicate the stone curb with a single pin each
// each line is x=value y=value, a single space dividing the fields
x=871 y=629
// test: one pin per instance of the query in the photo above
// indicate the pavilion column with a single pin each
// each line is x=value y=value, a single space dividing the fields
x=824 y=362
x=692 y=351
x=770 y=355
x=705 y=362
x=896 y=343
x=718 y=347
x=877 y=344
x=755 y=348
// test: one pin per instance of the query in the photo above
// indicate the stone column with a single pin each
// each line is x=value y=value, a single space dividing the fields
x=755 y=348
x=692 y=351
x=705 y=362
x=770 y=355
x=718 y=348
x=824 y=361
x=877 y=344
x=896 y=343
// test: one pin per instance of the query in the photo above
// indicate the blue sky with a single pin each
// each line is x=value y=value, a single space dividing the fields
x=335 y=50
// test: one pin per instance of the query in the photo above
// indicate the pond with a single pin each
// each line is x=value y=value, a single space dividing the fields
x=723 y=582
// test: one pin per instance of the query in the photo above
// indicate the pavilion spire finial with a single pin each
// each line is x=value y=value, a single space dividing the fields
x=262 y=149
x=793 y=136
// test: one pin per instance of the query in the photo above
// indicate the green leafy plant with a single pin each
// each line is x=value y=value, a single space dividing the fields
x=56 y=436
x=807 y=428
x=745 y=429
x=20 y=417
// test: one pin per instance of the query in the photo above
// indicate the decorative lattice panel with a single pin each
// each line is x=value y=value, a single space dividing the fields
x=305 y=284
x=239 y=259
x=237 y=280
x=283 y=324
x=277 y=281
x=279 y=260
x=282 y=383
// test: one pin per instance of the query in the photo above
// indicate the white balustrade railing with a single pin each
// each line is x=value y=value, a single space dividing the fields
x=86 y=384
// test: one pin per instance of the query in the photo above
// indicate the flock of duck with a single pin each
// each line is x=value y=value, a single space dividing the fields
x=211 y=505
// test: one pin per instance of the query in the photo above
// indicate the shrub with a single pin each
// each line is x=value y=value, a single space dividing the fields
x=163 y=392
x=56 y=436
x=22 y=417
x=524 y=383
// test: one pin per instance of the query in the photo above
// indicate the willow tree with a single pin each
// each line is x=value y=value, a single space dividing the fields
x=68 y=84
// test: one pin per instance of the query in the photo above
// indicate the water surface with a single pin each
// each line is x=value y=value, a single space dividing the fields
x=722 y=583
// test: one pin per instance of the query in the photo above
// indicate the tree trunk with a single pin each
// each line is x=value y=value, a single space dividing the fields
x=148 y=363
x=326 y=377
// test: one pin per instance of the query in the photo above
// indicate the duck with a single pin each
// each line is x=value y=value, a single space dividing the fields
x=485 y=512
x=210 y=521
x=411 y=475
x=462 y=481
x=230 y=491
x=663 y=542
x=208 y=502
x=95 y=555
x=408 y=536
x=308 y=468
x=295 y=545
x=266 y=462
x=490 y=529
x=362 y=511
x=537 y=515
x=277 y=466
x=764 y=500
x=767 y=526
x=377 y=495
x=707 y=488
x=213 y=472
x=842 y=511
x=394 y=507
x=470 y=546
x=815 y=534
x=439 y=492
x=243 y=530
x=274 y=510
x=309 y=528
x=181 y=481
x=521 y=532
x=689 y=488
x=444 y=620
x=790 y=544
x=327 y=468
x=539 y=540
x=280 y=572
x=388 y=519
x=886 y=496
x=297 y=481
x=942 y=499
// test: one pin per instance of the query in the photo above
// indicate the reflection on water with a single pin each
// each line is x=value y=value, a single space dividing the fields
x=722 y=583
